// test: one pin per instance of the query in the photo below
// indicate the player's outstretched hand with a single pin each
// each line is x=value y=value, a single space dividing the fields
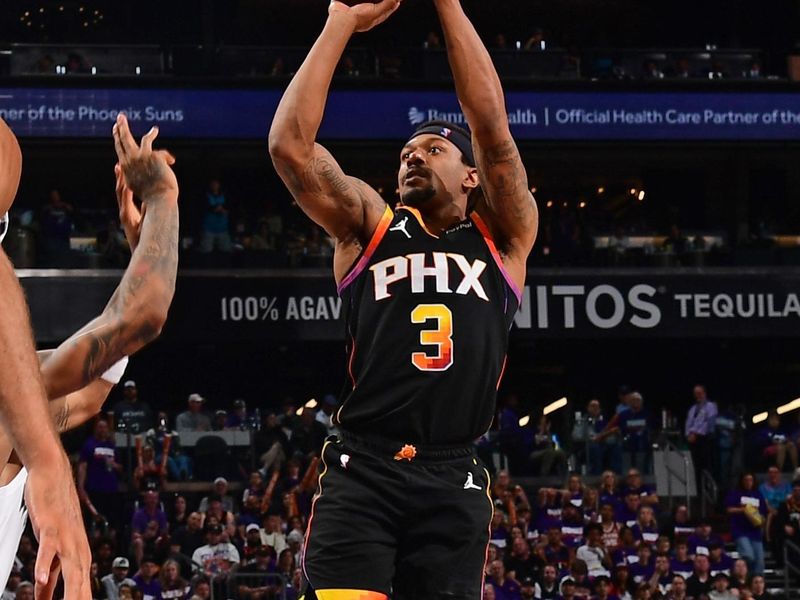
x=147 y=172
x=368 y=14
x=57 y=523
x=130 y=217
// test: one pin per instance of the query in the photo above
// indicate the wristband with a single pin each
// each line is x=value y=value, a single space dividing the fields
x=115 y=373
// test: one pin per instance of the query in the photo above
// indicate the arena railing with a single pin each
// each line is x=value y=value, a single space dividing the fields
x=791 y=565
x=709 y=493
x=671 y=450
x=229 y=584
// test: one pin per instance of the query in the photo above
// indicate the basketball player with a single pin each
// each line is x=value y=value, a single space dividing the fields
x=402 y=506
x=133 y=317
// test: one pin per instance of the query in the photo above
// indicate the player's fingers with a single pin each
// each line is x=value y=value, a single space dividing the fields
x=118 y=143
x=45 y=558
x=45 y=591
x=168 y=157
x=125 y=135
x=147 y=139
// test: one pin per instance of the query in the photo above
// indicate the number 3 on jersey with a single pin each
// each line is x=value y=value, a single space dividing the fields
x=441 y=337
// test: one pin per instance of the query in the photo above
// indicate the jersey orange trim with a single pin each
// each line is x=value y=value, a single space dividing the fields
x=502 y=372
x=420 y=220
x=361 y=264
x=487 y=236
x=317 y=496
x=350 y=595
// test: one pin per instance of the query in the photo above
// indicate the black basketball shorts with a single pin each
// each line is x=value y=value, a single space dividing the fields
x=400 y=522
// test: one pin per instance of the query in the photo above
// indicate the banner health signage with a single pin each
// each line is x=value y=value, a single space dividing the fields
x=258 y=306
x=245 y=114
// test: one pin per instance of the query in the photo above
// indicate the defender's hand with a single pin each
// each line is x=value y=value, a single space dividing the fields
x=58 y=525
x=147 y=172
x=130 y=217
x=367 y=14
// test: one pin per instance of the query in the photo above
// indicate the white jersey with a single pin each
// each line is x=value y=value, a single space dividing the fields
x=13 y=518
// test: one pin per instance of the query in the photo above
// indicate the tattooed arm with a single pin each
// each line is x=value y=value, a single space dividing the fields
x=138 y=308
x=347 y=208
x=509 y=208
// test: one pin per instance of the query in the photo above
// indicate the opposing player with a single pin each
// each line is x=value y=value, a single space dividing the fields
x=81 y=372
x=430 y=290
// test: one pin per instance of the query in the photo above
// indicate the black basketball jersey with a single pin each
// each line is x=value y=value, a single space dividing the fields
x=428 y=319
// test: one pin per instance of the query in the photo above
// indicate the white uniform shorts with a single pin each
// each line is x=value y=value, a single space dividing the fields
x=13 y=518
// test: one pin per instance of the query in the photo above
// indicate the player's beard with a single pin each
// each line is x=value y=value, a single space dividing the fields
x=416 y=197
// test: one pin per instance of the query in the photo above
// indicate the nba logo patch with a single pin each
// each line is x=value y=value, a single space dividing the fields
x=446 y=132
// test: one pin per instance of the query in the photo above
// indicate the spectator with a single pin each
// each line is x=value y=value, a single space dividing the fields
x=645 y=530
x=683 y=69
x=164 y=440
x=740 y=577
x=193 y=419
x=217 y=514
x=326 y=412
x=651 y=70
x=255 y=487
x=102 y=555
x=56 y=223
x=758 y=587
x=271 y=444
x=554 y=551
x=238 y=418
x=611 y=528
x=700 y=423
x=634 y=424
x=216 y=225
x=699 y=584
x=149 y=474
x=130 y=413
x=286 y=565
x=661 y=580
x=681 y=525
x=25 y=591
x=146 y=581
x=529 y=589
x=219 y=421
x=774 y=444
x=681 y=564
x=547 y=454
x=536 y=41
x=594 y=553
x=216 y=557
x=604 y=450
x=148 y=524
x=675 y=242
x=628 y=513
x=432 y=41
x=98 y=481
x=643 y=567
x=521 y=562
x=626 y=553
x=12 y=585
x=219 y=491
x=720 y=589
x=548 y=588
x=702 y=539
x=647 y=494
x=719 y=561
x=117 y=577
x=257 y=585
x=727 y=428
x=602 y=589
x=748 y=510
x=173 y=586
x=272 y=533
x=622 y=584
x=787 y=522
x=250 y=515
x=505 y=588
x=516 y=441
x=189 y=537
x=308 y=435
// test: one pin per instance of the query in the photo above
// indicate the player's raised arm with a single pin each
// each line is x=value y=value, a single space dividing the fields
x=138 y=308
x=50 y=491
x=510 y=208
x=347 y=208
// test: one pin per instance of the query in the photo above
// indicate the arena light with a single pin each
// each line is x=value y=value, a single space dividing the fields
x=311 y=403
x=633 y=191
x=789 y=406
x=554 y=406
x=524 y=420
x=760 y=417
x=299 y=411
x=549 y=204
x=601 y=190
x=641 y=196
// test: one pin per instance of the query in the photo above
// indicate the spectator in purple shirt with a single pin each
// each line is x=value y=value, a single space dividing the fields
x=719 y=561
x=681 y=563
x=699 y=428
x=633 y=483
x=774 y=444
x=701 y=540
x=629 y=511
x=98 y=482
x=645 y=530
x=626 y=554
x=748 y=511
x=147 y=525
x=505 y=588
x=146 y=580
x=635 y=426
x=642 y=569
